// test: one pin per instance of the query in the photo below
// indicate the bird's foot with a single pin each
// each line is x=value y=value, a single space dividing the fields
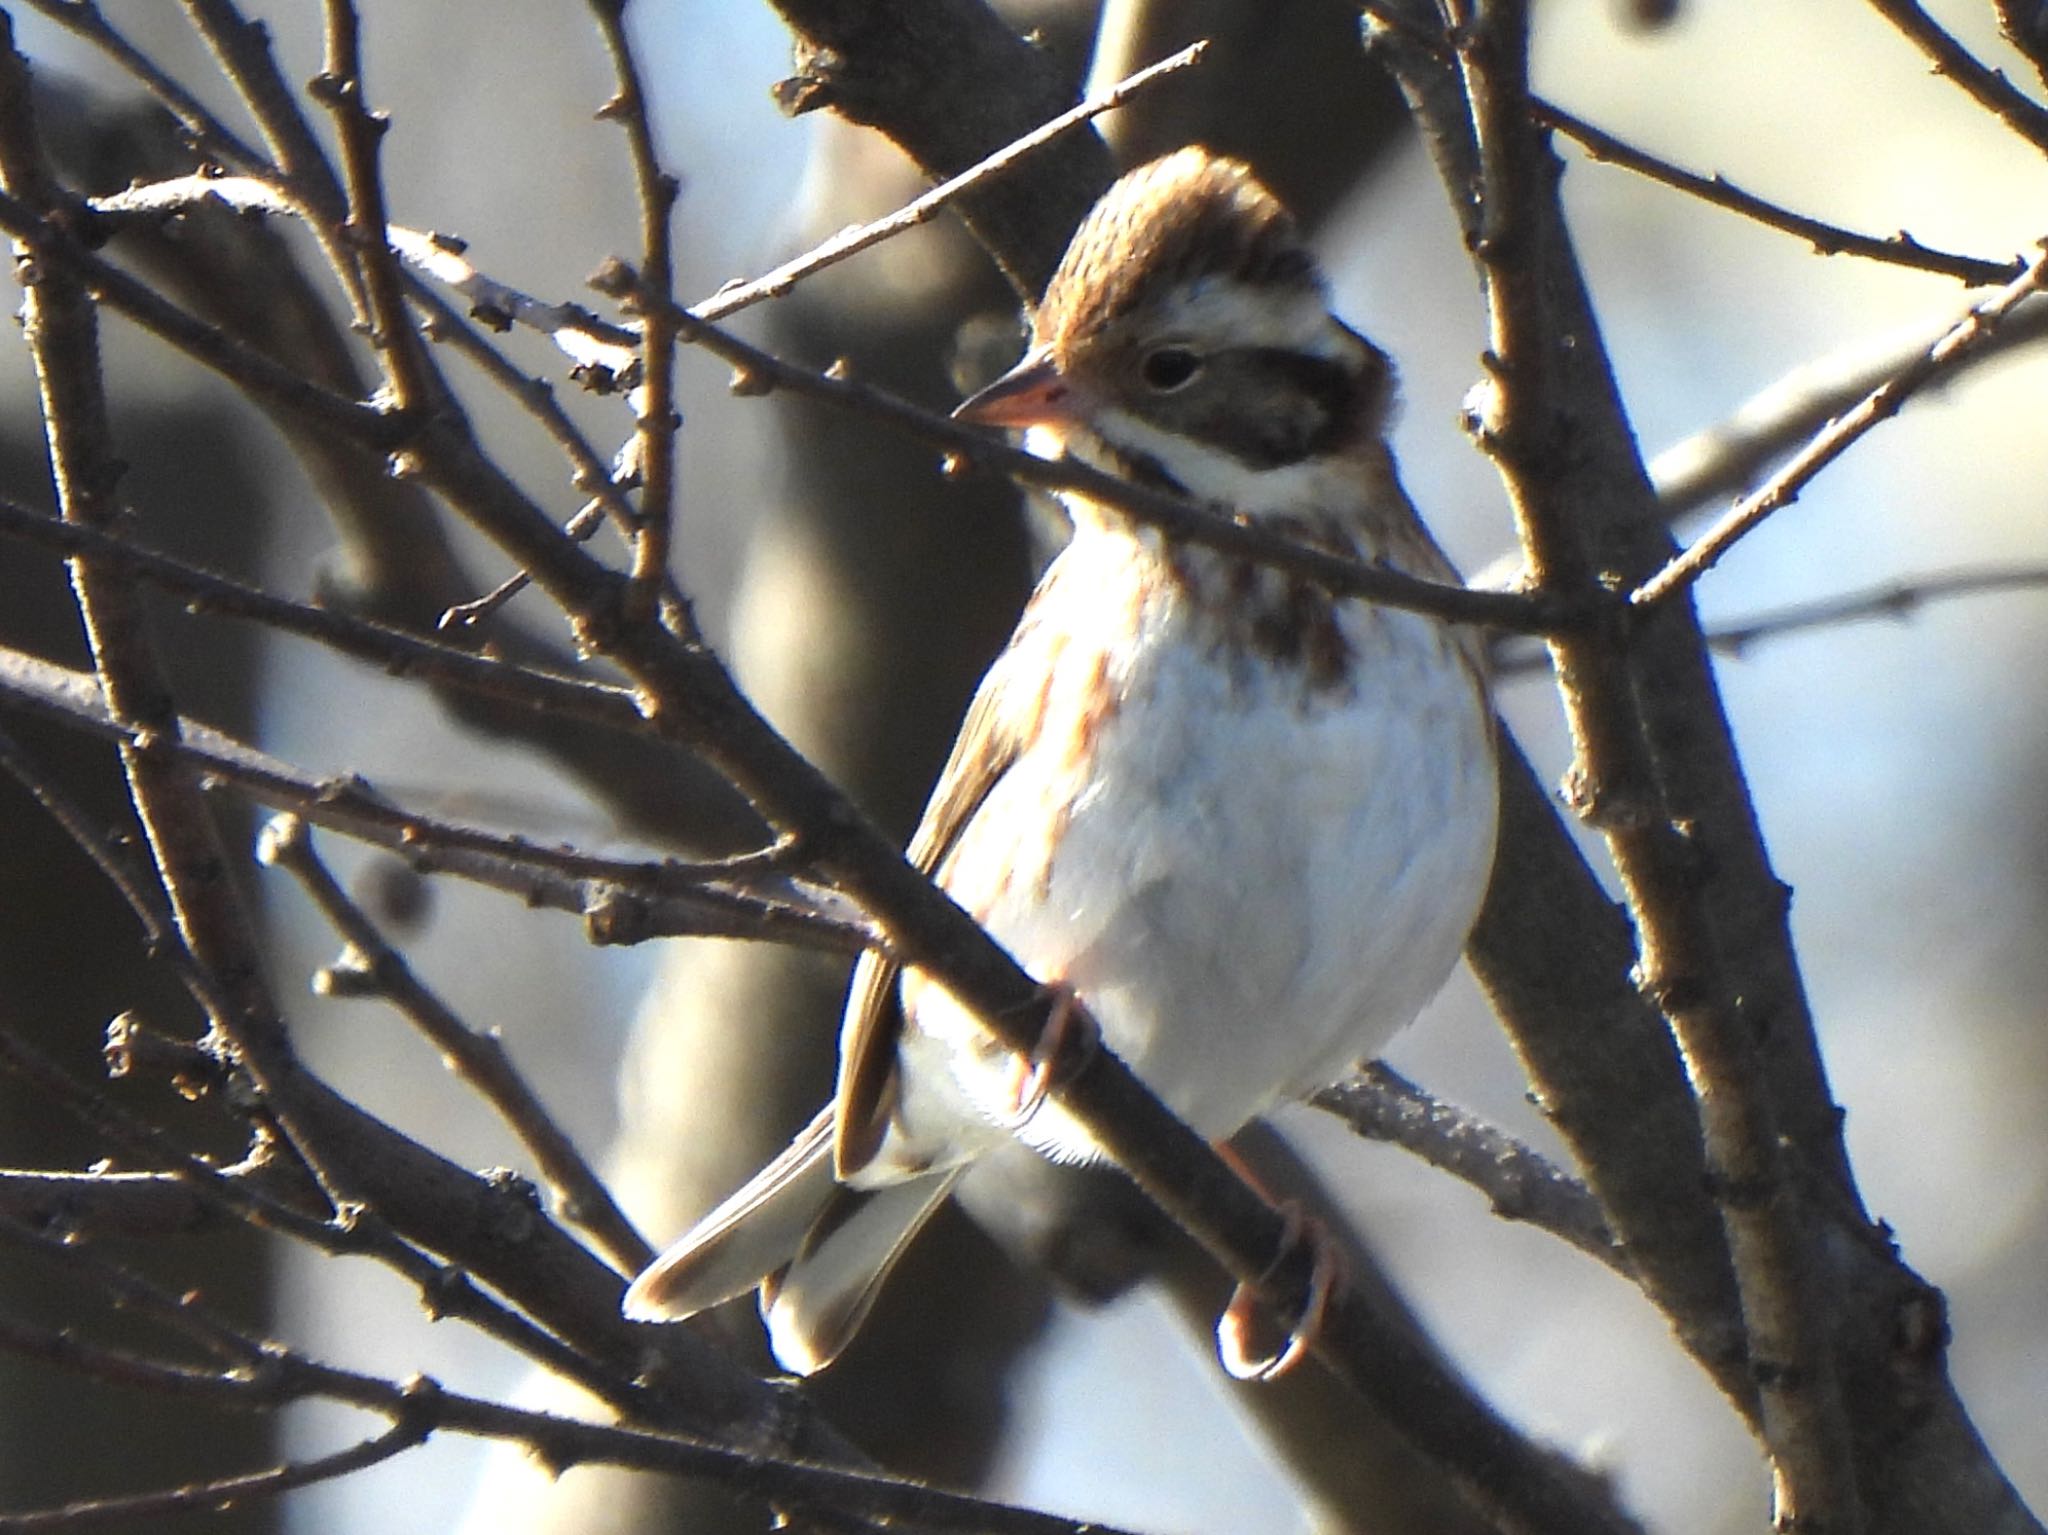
x=1067 y=1043
x=1244 y=1333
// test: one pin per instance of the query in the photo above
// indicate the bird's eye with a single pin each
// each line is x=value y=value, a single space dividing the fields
x=1169 y=368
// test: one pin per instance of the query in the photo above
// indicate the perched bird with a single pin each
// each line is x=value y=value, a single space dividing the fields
x=1245 y=824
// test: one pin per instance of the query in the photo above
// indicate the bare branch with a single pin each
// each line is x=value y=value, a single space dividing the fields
x=61 y=324
x=230 y=1491
x=239 y=363
x=1900 y=249
x=271 y=1375
x=2024 y=24
x=85 y=19
x=1522 y=1185
x=242 y=49
x=105 y=1203
x=1725 y=459
x=339 y=86
x=479 y=1058
x=1987 y=87
x=393 y=650
x=445 y=1289
x=1894 y=600
x=605 y=484
x=623 y=900
x=736 y=296
x=1881 y=404
x=143 y=895
x=1629 y=777
x=1533 y=612
x=1552 y=949
x=653 y=295
x=1890 y=600
x=948 y=81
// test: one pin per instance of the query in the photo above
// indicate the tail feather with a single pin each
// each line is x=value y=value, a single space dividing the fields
x=817 y=1250
x=748 y=1237
x=814 y=1309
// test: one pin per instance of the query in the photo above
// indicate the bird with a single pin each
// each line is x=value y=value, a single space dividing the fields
x=1241 y=826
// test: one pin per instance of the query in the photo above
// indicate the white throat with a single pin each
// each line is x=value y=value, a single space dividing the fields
x=1318 y=483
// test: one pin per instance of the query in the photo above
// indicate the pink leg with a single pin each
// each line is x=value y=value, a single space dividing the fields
x=1244 y=1339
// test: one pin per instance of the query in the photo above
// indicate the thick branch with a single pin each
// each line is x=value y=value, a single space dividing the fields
x=1628 y=780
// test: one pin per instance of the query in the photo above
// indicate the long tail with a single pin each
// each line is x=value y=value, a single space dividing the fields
x=817 y=1249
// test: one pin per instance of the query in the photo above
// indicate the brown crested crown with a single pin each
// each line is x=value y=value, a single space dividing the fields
x=1163 y=226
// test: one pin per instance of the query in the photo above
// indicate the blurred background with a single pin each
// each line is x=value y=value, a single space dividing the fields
x=1899 y=767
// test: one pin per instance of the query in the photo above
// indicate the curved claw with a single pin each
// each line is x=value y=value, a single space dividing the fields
x=1237 y=1330
x=1066 y=1044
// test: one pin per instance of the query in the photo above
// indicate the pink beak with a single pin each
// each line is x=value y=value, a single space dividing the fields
x=1034 y=393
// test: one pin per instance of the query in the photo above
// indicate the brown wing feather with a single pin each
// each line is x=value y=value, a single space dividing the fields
x=866 y=1096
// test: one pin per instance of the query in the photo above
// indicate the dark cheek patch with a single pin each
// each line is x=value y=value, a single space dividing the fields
x=1267 y=408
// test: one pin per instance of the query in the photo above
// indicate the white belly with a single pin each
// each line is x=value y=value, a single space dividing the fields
x=1258 y=883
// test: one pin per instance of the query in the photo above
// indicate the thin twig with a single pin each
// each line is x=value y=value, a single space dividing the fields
x=848 y=1499
x=2024 y=24
x=60 y=321
x=738 y=295
x=268 y=1375
x=394 y=651
x=1521 y=1183
x=242 y=48
x=1987 y=87
x=473 y=614
x=142 y=894
x=179 y=1314
x=1726 y=459
x=1175 y=516
x=446 y=1289
x=653 y=296
x=688 y=693
x=621 y=900
x=1881 y=404
x=598 y=344
x=607 y=348
x=209 y=134
x=63 y=1349
x=339 y=86
x=144 y=897
x=1900 y=249
x=760 y=371
x=480 y=1058
x=240 y=364
x=1895 y=600
x=414 y=1192
x=222 y=1493
x=1892 y=600
x=604 y=484
x=1513 y=658
x=85 y=19
x=601 y=481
